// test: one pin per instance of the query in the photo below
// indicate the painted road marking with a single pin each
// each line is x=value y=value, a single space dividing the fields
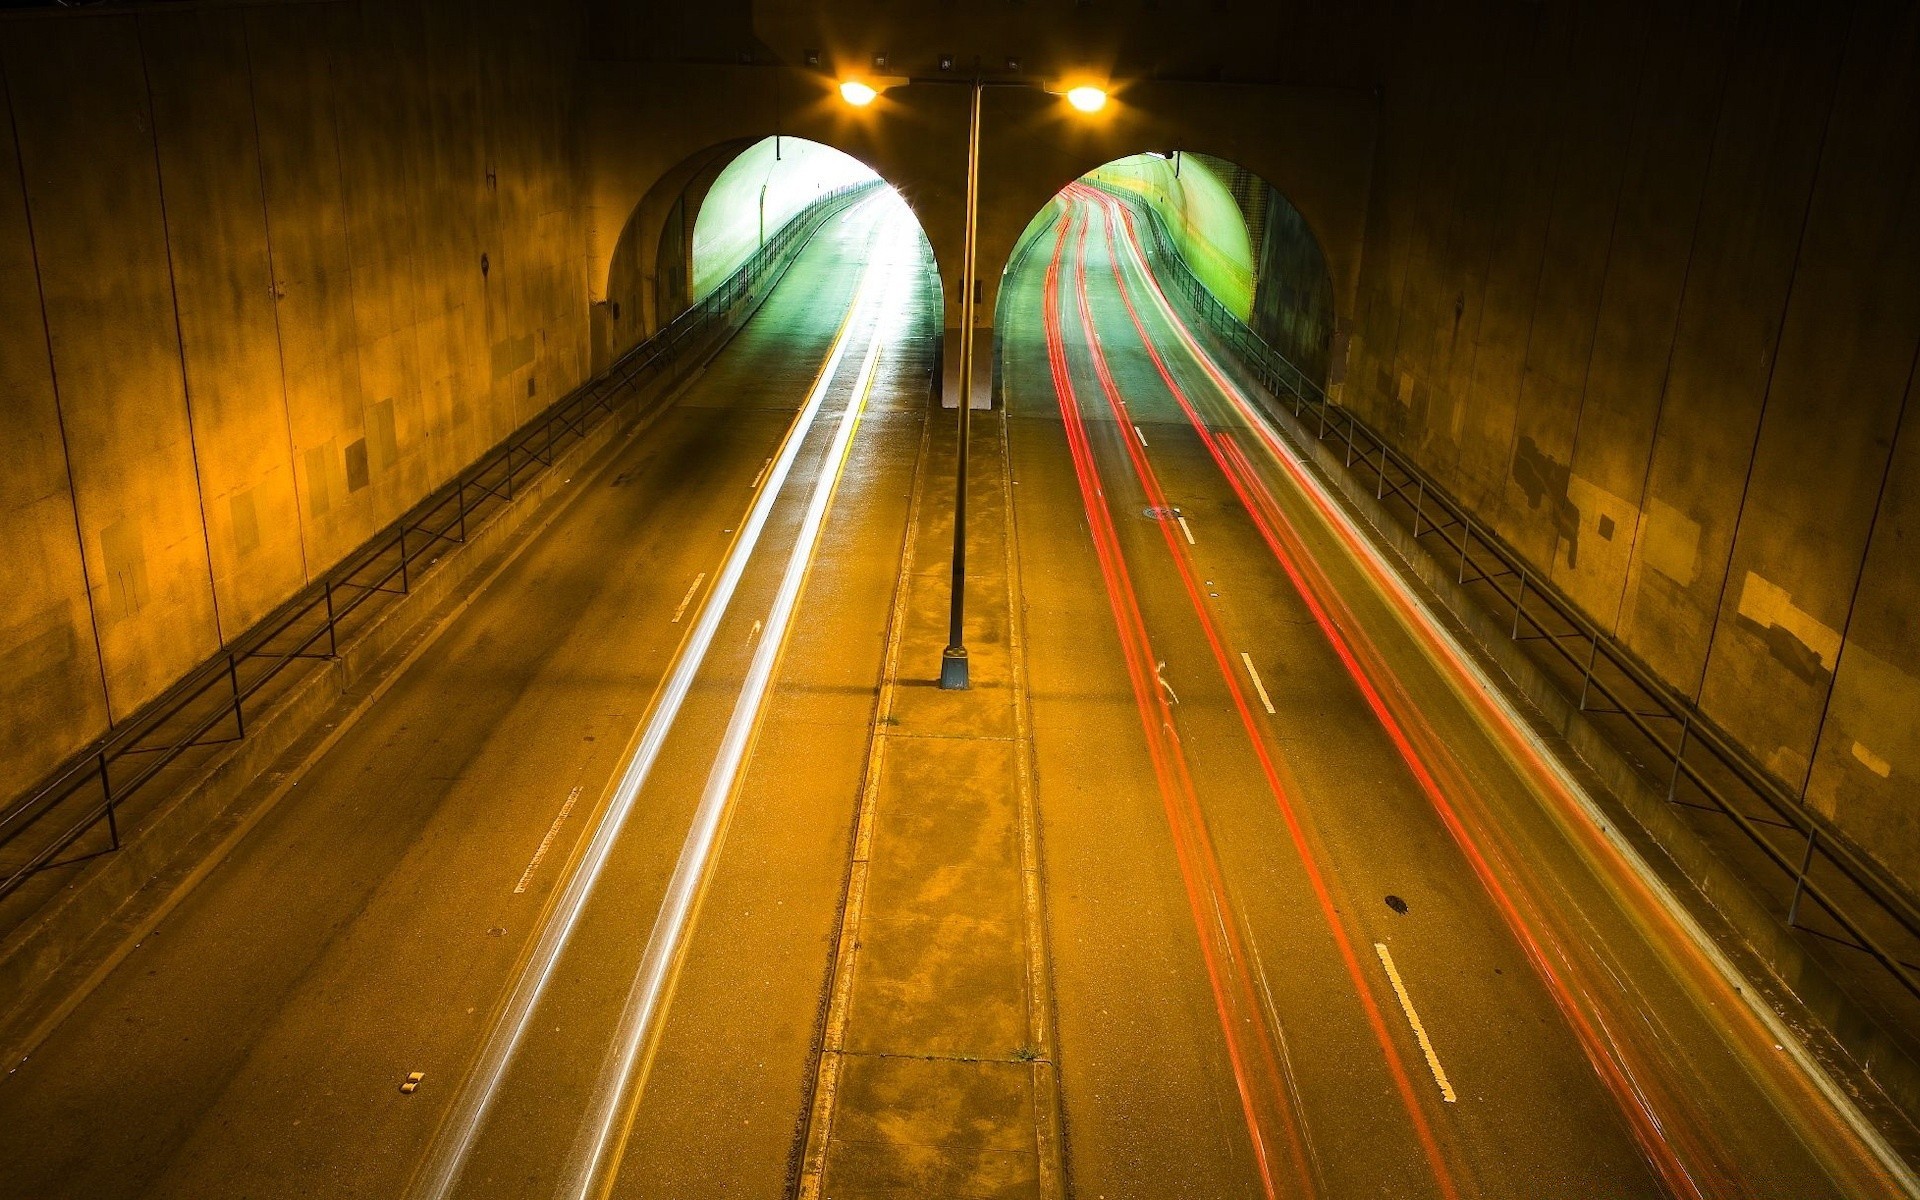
x=761 y=475
x=526 y=877
x=1138 y=434
x=1184 y=529
x=1413 y=1019
x=1257 y=685
x=688 y=598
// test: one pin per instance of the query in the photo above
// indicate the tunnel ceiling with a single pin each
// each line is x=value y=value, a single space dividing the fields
x=1291 y=42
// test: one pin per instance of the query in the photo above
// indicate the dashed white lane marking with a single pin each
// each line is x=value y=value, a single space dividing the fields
x=1185 y=530
x=1259 y=687
x=1413 y=1019
x=526 y=877
x=1138 y=434
x=688 y=598
x=761 y=475
x=600 y=1145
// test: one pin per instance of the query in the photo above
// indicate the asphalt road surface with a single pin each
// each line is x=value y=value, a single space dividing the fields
x=1324 y=917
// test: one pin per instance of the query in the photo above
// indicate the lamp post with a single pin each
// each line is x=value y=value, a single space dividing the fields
x=860 y=93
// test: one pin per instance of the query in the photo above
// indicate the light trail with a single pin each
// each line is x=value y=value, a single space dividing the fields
x=597 y=1153
x=454 y=1140
x=1653 y=1129
x=1297 y=830
x=1236 y=1001
x=1651 y=1110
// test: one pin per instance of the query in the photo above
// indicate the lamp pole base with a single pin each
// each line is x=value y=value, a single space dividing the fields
x=953 y=669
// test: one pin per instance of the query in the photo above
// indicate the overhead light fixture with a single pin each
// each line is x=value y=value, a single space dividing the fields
x=1087 y=98
x=862 y=90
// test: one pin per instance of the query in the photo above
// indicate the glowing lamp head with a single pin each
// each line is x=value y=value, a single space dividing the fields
x=857 y=93
x=1087 y=98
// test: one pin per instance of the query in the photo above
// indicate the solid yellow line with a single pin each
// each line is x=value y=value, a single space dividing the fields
x=1413 y=1019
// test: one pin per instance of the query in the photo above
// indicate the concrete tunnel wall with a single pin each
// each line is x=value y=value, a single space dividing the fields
x=1640 y=286
x=243 y=320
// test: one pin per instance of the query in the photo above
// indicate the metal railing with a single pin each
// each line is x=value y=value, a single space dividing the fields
x=212 y=704
x=1667 y=737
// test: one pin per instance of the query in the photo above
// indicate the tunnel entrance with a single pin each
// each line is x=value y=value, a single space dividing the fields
x=706 y=216
x=1237 y=234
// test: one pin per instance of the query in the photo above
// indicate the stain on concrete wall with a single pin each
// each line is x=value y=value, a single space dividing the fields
x=242 y=320
x=1638 y=285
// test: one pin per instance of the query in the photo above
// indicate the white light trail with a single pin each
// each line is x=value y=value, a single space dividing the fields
x=597 y=1151
x=454 y=1141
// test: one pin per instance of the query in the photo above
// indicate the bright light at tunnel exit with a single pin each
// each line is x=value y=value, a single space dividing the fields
x=856 y=93
x=1087 y=98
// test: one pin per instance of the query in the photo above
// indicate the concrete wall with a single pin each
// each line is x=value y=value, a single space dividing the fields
x=243 y=321
x=1639 y=284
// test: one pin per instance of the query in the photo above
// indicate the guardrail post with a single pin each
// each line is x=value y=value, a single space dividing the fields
x=509 y=470
x=1679 y=755
x=106 y=788
x=460 y=502
x=1519 y=601
x=1800 y=880
x=406 y=585
x=1419 y=503
x=1466 y=538
x=333 y=640
x=233 y=681
x=1381 y=490
x=1587 y=680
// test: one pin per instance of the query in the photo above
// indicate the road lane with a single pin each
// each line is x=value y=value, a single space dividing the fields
x=1566 y=1028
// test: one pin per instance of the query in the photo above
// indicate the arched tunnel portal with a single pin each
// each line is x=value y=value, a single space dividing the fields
x=1313 y=147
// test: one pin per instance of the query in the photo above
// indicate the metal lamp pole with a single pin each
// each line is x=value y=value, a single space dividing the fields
x=953 y=660
x=859 y=93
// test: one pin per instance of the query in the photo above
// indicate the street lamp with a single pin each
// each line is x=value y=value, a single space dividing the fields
x=1087 y=99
